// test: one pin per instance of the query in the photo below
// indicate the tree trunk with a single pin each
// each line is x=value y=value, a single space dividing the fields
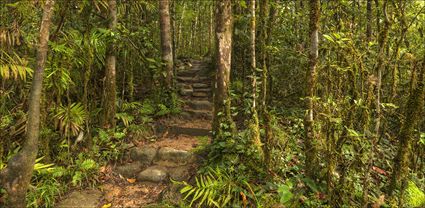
x=310 y=143
x=17 y=176
x=223 y=32
x=383 y=37
x=254 y=123
x=368 y=20
x=412 y=116
x=110 y=80
x=166 y=43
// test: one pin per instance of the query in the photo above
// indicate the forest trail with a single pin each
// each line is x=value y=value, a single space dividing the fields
x=143 y=180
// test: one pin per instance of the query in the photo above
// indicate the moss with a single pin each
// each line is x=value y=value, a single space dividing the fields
x=414 y=196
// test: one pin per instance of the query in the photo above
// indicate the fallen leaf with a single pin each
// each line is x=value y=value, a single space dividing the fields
x=131 y=180
x=379 y=170
x=107 y=205
x=102 y=169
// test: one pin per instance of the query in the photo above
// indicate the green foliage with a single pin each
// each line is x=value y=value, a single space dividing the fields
x=13 y=66
x=108 y=144
x=218 y=188
x=285 y=194
x=70 y=119
x=85 y=171
x=46 y=184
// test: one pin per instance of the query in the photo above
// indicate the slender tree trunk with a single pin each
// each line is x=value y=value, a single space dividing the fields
x=166 y=43
x=412 y=116
x=17 y=176
x=254 y=123
x=110 y=76
x=223 y=32
x=383 y=37
x=368 y=20
x=310 y=143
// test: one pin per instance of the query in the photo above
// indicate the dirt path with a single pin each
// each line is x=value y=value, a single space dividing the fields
x=144 y=179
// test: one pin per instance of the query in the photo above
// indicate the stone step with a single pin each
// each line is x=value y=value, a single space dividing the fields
x=202 y=90
x=200 y=94
x=201 y=79
x=200 y=85
x=199 y=114
x=155 y=174
x=200 y=104
x=184 y=79
x=188 y=72
x=144 y=155
x=177 y=130
x=186 y=91
x=170 y=157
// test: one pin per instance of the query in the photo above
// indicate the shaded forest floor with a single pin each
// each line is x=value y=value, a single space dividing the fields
x=143 y=177
x=116 y=190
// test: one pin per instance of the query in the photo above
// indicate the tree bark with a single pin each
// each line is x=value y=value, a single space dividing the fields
x=368 y=20
x=310 y=143
x=166 y=43
x=223 y=32
x=17 y=176
x=254 y=123
x=412 y=115
x=110 y=79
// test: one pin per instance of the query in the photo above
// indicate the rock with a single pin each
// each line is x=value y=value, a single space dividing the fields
x=85 y=198
x=200 y=104
x=200 y=114
x=144 y=155
x=181 y=173
x=184 y=79
x=186 y=92
x=186 y=115
x=203 y=90
x=153 y=174
x=173 y=155
x=200 y=85
x=199 y=94
x=129 y=170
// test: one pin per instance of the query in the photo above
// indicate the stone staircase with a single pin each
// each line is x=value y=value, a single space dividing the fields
x=159 y=164
x=150 y=164
x=195 y=87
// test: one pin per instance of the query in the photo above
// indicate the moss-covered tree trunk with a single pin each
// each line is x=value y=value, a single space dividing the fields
x=412 y=116
x=110 y=74
x=311 y=161
x=254 y=122
x=17 y=176
x=166 y=41
x=223 y=32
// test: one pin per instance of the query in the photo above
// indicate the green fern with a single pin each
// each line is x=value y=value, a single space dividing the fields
x=125 y=118
x=212 y=189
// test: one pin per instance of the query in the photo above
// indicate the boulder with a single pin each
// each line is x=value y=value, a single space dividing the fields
x=168 y=154
x=85 y=198
x=144 y=155
x=153 y=174
x=129 y=170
